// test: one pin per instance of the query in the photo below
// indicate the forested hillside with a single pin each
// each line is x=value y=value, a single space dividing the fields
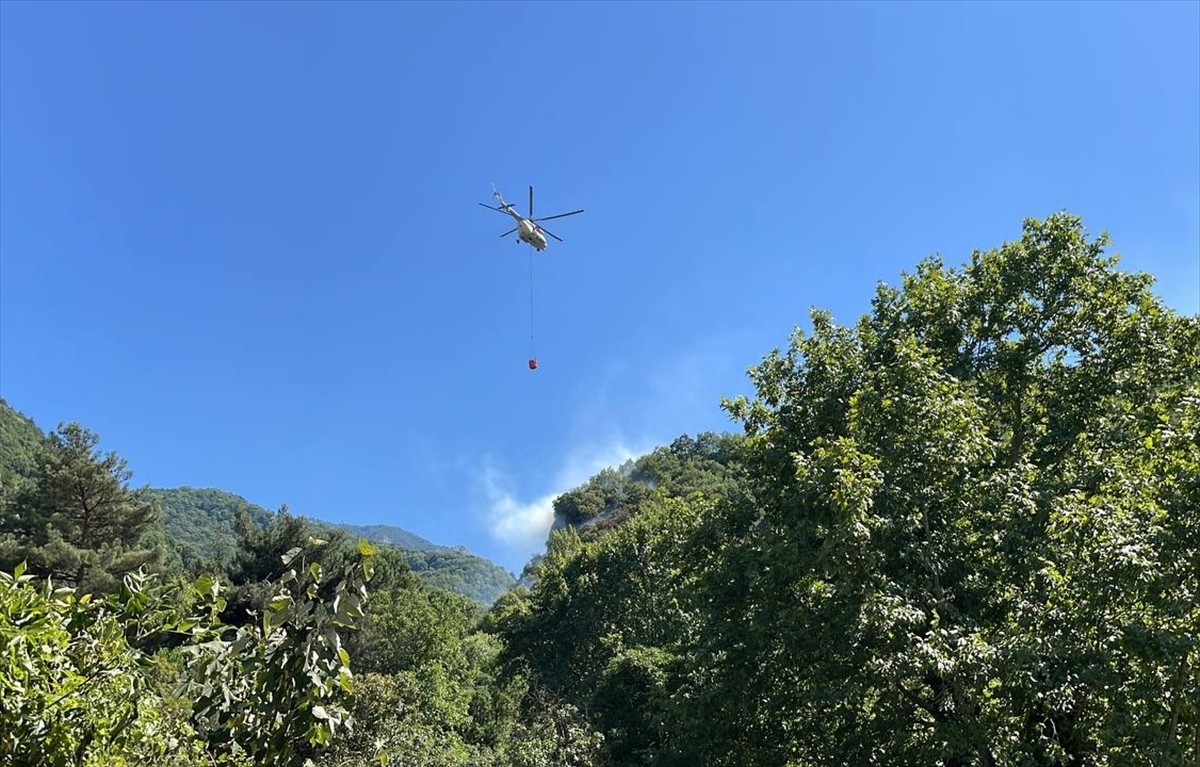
x=20 y=440
x=389 y=534
x=458 y=570
x=200 y=523
x=963 y=530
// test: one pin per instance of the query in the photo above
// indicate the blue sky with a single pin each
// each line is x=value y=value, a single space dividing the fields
x=241 y=240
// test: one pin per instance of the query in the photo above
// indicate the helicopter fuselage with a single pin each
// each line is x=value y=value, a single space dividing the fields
x=531 y=234
x=528 y=232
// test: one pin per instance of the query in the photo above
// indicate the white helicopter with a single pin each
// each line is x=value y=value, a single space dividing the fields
x=528 y=229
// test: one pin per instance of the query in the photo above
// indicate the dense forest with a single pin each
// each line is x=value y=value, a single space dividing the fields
x=963 y=530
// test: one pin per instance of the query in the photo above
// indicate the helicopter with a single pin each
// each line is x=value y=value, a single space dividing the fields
x=528 y=229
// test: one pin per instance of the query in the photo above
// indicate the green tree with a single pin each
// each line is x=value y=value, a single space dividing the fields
x=262 y=557
x=73 y=689
x=77 y=521
x=606 y=625
x=79 y=688
x=275 y=690
x=956 y=546
x=428 y=691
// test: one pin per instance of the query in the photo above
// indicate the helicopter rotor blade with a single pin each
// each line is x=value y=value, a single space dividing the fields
x=498 y=210
x=510 y=231
x=531 y=202
x=560 y=215
x=552 y=234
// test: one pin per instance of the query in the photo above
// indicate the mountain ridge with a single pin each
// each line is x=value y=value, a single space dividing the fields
x=201 y=521
x=379 y=533
x=204 y=519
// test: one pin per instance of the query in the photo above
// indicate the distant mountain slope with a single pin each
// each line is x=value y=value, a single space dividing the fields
x=388 y=534
x=202 y=520
x=457 y=569
x=20 y=439
x=702 y=464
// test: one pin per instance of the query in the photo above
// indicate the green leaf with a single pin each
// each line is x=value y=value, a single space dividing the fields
x=206 y=584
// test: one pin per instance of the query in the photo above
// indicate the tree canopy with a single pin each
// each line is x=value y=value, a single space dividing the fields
x=964 y=532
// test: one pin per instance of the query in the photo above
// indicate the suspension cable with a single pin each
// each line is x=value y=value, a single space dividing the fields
x=532 y=353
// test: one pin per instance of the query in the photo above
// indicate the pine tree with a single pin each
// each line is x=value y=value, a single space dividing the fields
x=78 y=522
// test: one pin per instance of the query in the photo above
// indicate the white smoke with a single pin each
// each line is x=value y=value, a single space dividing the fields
x=524 y=524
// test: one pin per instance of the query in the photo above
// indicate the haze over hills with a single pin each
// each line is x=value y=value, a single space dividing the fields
x=201 y=523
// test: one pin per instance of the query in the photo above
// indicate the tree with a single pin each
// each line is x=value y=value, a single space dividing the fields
x=77 y=521
x=275 y=690
x=79 y=688
x=956 y=546
x=73 y=689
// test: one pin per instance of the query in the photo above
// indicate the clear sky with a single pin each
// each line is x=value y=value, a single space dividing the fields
x=241 y=241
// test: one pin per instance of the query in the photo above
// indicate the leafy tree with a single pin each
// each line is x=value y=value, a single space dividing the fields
x=277 y=688
x=959 y=532
x=72 y=688
x=263 y=556
x=554 y=733
x=77 y=520
x=606 y=624
x=600 y=496
x=429 y=693
x=78 y=688
x=952 y=514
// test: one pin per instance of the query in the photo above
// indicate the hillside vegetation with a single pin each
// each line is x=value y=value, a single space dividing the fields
x=961 y=531
x=389 y=534
x=200 y=523
x=20 y=441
